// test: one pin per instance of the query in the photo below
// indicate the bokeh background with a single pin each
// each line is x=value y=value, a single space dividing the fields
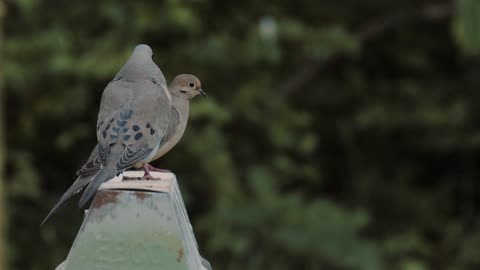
x=338 y=135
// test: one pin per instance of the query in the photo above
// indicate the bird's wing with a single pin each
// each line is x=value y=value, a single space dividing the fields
x=84 y=177
x=92 y=166
x=173 y=122
x=135 y=114
x=132 y=127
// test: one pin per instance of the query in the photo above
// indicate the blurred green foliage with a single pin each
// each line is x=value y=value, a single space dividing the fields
x=3 y=214
x=337 y=135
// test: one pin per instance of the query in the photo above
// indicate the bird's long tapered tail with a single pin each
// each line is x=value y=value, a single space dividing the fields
x=102 y=176
x=72 y=190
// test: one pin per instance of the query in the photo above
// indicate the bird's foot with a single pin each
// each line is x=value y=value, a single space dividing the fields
x=147 y=176
x=150 y=177
x=153 y=169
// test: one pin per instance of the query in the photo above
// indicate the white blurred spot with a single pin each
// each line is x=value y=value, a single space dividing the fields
x=267 y=27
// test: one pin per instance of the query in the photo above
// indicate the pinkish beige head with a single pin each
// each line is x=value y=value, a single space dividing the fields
x=187 y=86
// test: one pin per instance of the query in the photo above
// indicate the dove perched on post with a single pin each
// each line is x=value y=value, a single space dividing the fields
x=140 y=120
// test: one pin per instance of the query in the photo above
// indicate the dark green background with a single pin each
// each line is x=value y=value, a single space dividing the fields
x=337 y=135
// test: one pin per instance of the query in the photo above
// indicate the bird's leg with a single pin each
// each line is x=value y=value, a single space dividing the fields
x=153 y=169
x=147 y=175
x=147 y=168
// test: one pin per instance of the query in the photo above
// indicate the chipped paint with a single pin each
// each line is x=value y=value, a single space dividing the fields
x=103 y=197
x=141 y=195
x=179 y=255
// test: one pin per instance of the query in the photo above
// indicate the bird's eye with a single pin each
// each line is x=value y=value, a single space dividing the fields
x=192 y=85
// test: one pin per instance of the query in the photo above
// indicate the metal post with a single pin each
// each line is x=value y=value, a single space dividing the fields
x=136 y=224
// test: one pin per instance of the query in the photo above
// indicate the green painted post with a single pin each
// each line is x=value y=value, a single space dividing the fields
x=139 y=225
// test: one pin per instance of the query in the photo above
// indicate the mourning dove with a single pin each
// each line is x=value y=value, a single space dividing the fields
x=182 y=89
x=139 y=121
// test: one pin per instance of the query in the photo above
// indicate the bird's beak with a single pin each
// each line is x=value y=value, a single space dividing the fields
x=202 y=92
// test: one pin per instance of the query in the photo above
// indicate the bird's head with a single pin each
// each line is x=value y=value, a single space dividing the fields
x=143 y=49
x=186 y=86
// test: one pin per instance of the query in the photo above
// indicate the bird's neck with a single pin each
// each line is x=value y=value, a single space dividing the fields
x=182 y=106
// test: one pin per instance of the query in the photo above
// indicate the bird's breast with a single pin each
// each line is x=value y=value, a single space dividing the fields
x=170 y=143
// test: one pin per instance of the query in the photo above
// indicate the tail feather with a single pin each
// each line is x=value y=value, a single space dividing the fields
x=102 y=176
x=72 y=190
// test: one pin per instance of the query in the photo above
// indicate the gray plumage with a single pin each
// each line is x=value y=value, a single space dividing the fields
x=139 y=121
x=132 y=122
x=133 y=118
